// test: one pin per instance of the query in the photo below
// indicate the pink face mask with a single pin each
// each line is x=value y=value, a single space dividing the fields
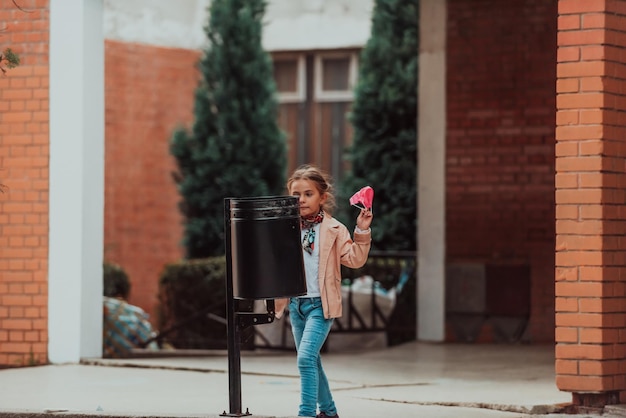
x=363 y=198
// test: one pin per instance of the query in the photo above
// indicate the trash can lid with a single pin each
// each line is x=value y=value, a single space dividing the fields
x=264 y=207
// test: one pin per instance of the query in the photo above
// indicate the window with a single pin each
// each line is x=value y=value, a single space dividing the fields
x=289 y=76
x=315 y=93
x=335 y=76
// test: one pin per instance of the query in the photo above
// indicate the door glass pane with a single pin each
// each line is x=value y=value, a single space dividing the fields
x=286 y=75
x=336 y=74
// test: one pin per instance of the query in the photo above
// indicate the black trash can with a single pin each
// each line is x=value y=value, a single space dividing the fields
x=265 y=247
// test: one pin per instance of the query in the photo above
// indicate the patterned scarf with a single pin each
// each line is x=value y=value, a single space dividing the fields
x=308 y=224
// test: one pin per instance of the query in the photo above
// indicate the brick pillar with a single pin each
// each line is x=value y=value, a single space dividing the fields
x=24 y=170
x=590 y=196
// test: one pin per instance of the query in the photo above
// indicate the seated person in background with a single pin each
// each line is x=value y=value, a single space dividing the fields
x=125 y=326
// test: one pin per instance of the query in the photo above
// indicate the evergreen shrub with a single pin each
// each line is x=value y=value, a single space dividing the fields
x=235 y=147
x=384 y=150
x=384 y=117
x=188 y=292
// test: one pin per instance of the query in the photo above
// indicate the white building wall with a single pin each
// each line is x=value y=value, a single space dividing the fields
x=177 y=24
x=291 y=24
x=317 y=24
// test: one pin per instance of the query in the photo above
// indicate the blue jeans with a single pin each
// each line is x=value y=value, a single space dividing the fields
x=310 y=330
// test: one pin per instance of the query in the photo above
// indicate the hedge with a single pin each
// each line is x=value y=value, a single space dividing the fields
x=192 y=305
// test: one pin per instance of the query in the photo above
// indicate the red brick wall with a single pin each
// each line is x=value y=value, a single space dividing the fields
x=590 y=195
x=24 y=167
x=500 y=151
x=148 y=92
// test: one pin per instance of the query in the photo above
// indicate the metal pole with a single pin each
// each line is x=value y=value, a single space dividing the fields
x=232 y=328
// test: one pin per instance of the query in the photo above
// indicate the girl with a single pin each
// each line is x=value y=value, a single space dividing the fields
x=326 y=244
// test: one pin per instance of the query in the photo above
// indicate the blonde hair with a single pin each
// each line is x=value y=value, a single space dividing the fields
x=321 y=180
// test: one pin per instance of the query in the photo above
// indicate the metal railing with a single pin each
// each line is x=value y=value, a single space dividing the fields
x=372 y=295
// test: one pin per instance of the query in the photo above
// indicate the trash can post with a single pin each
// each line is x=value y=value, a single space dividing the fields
x=232 y=330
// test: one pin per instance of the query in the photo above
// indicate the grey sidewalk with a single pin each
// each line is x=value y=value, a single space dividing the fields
x=415 y=379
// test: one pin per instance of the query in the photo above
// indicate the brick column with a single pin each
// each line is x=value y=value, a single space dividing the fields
x=590 y=197
x=24 y=170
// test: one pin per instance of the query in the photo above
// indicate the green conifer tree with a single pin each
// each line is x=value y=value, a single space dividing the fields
x=235 y=148
x=384 y=116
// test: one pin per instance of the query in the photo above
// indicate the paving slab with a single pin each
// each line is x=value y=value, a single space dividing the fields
x=410 y=380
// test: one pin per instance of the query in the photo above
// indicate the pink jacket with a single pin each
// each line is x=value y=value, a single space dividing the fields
x=336 y=248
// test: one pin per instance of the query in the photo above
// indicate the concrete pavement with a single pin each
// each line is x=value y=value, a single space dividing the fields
x=411 y=380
